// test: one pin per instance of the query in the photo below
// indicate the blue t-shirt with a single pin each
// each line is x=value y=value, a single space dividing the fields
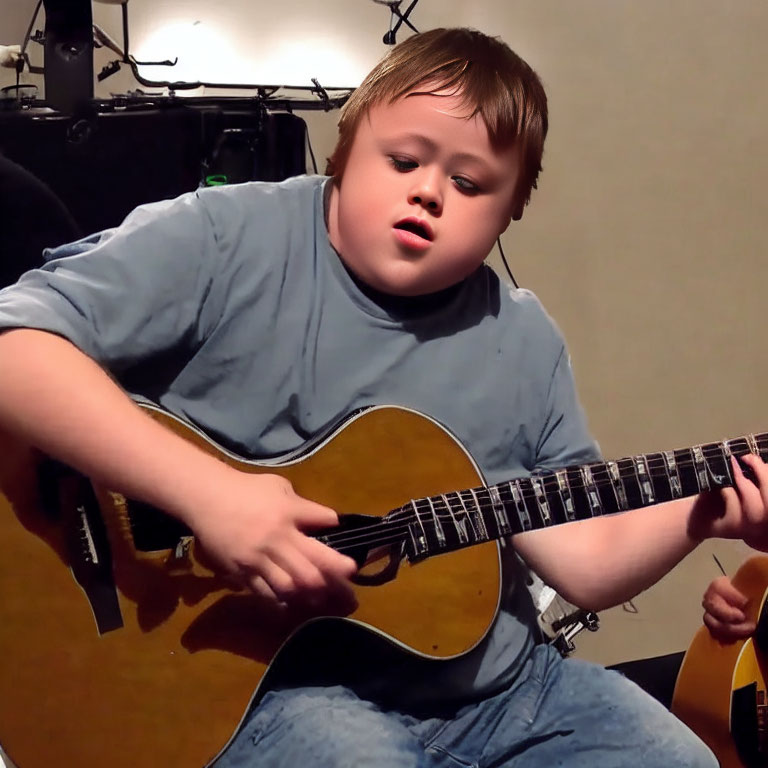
x=229 y=307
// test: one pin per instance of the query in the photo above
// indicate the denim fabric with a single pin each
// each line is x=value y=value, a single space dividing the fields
x=557 y=713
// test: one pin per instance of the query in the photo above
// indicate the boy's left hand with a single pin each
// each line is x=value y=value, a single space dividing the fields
x=736 y=513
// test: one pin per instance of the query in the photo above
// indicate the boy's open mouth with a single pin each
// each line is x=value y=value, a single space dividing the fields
x=417 y=227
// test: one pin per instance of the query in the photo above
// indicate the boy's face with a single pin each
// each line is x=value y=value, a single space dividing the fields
x=423 y=196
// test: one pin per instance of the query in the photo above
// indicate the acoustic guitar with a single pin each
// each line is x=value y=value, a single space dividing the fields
x=120 y=648
x=720 y=691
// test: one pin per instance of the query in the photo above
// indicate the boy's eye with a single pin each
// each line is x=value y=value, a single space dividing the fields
x=465 y=185
x=402 y=164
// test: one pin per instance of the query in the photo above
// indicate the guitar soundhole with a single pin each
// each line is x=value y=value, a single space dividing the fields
x=152 y=529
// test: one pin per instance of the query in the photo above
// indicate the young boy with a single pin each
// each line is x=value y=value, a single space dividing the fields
x=265 y=312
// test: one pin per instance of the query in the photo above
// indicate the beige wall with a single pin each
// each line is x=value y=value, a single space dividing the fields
x=647 y=238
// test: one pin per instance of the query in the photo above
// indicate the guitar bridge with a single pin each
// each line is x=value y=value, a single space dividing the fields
x=89 y=550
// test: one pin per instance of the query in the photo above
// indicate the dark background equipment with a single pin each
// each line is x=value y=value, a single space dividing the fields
x=92 y=161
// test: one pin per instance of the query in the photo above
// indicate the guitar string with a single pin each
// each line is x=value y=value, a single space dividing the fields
x=397 y=531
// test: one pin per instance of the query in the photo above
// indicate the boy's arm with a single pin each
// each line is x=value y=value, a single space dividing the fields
x=599 y=563
x=58 y=399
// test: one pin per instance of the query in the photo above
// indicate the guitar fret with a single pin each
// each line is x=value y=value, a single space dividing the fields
x=442 y=542
x=617 y=484
x=551 y=490
x=631 y=482
x=481 y=531
x=753 y=444
x=702 y=470
x=579 y=493
x=727 y=454
x=528 y=497
x=674 y=476
x=419 y=542
x=738 y=446
x=499 y=511
x=718 y=466
x=469 y=517
x=541 y=501
x=605 y=488
x=687 y=471
x=593 y=497
x=486 y=520
x=564 y=489
x=501 y=508
x=659 y=477
x=522 y=511
x=646 y=489
x=460 y=526
x=453 y=528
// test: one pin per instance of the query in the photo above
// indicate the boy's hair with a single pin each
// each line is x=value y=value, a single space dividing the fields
x=490 y=78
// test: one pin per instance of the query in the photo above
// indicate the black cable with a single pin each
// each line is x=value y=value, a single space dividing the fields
x=124 y=7
x=23 y=58
x=29 y=28
x=504 y=259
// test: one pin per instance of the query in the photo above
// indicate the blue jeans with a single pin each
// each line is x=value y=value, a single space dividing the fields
x=556 y=713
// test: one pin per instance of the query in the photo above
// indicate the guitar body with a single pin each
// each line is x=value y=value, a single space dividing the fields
x=171 y=673
x=715 y=677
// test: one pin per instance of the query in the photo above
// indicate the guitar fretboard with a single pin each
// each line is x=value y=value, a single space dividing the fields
x=454 y=520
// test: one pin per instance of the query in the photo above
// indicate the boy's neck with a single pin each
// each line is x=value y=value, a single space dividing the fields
x=405 y=306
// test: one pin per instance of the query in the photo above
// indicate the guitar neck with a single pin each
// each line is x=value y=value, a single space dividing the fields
x=463 y=518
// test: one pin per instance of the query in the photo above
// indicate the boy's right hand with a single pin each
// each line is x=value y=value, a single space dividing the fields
x=724 y=614
x=257 y=533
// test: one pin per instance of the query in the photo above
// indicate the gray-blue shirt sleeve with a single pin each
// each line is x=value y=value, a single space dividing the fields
x=125 y=294
x=564 y=438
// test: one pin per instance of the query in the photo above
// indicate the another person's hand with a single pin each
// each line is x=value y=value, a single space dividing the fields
x=724 y=611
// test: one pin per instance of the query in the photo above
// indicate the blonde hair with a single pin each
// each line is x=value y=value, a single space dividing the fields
x=490 y=79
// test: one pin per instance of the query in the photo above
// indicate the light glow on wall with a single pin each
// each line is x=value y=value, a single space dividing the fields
x=209 y=54
x=296 y=62
x=202 y=50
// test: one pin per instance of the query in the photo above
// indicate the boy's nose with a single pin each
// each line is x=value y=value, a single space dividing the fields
x=426 y=193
